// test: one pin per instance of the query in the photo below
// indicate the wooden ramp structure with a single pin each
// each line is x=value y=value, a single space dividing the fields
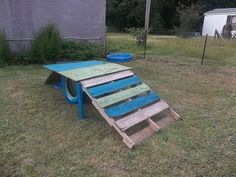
x=121 y=97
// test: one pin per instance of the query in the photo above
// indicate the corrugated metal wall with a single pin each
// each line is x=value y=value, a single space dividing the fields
x=76 y=19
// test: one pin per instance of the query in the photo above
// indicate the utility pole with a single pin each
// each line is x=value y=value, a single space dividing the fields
x=146 y=27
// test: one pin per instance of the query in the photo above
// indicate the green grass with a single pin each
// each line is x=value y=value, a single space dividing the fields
x=40 y=134
x=217 y=52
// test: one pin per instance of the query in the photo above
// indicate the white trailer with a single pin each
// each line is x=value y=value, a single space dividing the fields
x=217 y=18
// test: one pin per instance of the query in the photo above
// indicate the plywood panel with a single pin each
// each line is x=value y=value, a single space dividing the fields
x=93 y=71
x=60 y=67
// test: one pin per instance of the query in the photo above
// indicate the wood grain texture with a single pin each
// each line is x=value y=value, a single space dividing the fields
x=142 y=134
x=141 y=115
x=164 y=122
x=153 y=125
x=53 y=78
x=122 y=95
x=93 y=71
x=104 y=79
x=114 y=86
x=60 y=67
x=124 y=108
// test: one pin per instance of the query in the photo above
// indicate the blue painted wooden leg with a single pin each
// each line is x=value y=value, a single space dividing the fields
x=80 y=100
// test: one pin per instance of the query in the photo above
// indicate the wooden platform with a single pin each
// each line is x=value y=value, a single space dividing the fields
x=121 y=97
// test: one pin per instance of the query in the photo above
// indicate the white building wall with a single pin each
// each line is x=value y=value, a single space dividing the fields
x=213 y=22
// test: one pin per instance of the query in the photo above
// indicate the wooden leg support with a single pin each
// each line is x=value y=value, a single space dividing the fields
x=53 y=78
x=153 y=125
x=174 y=114
x=80 y=100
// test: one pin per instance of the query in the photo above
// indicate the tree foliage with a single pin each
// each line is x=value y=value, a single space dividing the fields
x=164 y=17
x=189 y=19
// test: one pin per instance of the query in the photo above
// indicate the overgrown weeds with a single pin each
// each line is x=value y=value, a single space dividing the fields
x=4 y=48
x=47 y=45
x=72 y=50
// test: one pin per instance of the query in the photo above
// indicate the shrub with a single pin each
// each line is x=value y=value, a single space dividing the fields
x=46 y=46
x=21 y=57
x=72 y=50
x=4 y=48
x=138 y=34
x=189 y=19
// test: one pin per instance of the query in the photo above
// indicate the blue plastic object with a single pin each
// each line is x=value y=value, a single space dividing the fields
x=120 y=57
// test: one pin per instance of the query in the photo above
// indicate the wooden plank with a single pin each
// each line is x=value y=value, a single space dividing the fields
x=124 y=108
x=142 y=134
x=164 y=122
x=153 y=125
x=105 y=79
x=155 y=108
x=111 y=122
x=53 y=78
x=72 y=65
x=141 y=115
x=114 y=86
x=100 y=110
x=93 y=71
x=122 y=95
x=174 y=114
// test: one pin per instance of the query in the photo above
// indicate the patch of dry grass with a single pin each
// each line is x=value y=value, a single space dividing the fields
x=40 y=134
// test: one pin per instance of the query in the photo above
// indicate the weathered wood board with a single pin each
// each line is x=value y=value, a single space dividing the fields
x=114 y=86
x=141 y=115
x=93 y=71
x=60 y=67
x=122 y=95
x=108 y=78
x=137 y=103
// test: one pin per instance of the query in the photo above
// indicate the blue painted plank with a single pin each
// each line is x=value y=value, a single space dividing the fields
x=72 y=65
x=114 y=86
x=124 y=108
x=80 y=100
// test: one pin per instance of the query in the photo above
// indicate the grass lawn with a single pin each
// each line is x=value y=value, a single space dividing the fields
x=40 y=134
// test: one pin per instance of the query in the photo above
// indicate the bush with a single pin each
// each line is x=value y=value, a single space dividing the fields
x=138 y=34
x=47 y=45
x=21 y=57
x=72 y=50
x=4 y=49
x=189 y=19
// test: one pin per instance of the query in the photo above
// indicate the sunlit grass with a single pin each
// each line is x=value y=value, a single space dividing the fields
x=216 y=51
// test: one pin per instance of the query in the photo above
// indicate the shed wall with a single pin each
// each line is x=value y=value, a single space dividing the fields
x=76 y=19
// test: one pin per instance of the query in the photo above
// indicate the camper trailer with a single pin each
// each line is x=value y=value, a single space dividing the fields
x=218 y=19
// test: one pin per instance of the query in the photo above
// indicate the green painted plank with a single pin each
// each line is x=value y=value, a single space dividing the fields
x=93 y=71
x=122 y=95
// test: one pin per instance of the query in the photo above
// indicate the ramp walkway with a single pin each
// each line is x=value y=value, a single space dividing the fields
x=130 y=106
